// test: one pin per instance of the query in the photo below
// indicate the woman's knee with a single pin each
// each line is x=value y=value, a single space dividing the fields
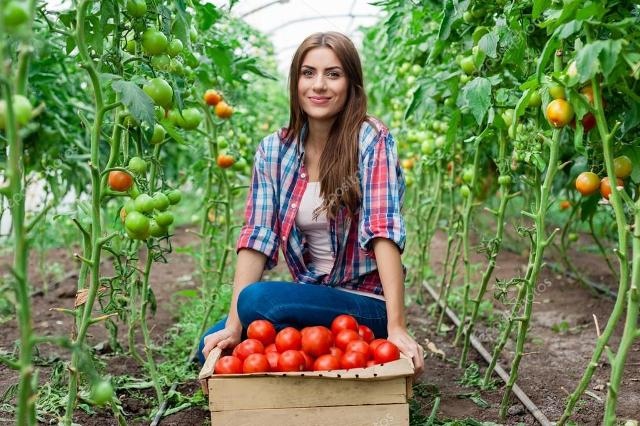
x=252 y=300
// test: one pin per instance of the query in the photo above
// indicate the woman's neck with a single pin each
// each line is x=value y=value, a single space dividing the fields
x=318 y=134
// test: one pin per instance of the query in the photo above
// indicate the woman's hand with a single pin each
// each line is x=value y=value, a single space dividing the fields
x=228 y=337
x=400 y=337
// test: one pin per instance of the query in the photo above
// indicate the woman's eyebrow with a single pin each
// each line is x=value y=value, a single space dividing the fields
x=326 y=69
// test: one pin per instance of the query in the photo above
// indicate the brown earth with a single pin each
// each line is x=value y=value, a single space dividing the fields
x=550 y=370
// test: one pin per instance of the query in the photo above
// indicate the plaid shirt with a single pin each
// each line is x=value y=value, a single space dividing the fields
x=277 y=185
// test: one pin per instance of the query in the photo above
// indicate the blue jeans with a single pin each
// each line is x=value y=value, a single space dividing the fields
x=288 y=304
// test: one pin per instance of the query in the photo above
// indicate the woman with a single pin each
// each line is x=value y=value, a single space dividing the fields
x=328 y=189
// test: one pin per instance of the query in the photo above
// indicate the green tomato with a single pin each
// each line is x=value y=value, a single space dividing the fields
x=507 y=116
x=222 y=142
x=440 y=141
x=416 y=69
x=161 y=201
x=15 y=14
x=154 y=42
x=193 y=34
x=129 y=205
x=158 y=135
x=467 y=175
x=136 y=8
x=164 y=218
x=155 y=230
x=137 y=165
x=161 y=62
x=478 y=33
x=622 y=166
x=467 y=65
x=504 y=180
x=240 y=164
x=22 y=111
x=465 y=191
x=137 y=223
x=189 y=119
x=535 y=100
x=191 y=61
x=175 y=48
x=176 y=67
x=102 y=392
x=160 y=91
x=467 y=17
x=174 y=196
x=427 y=147
x=404 y=68
x=464 y=79
x=133 y=191
x=573 y=237
x=130 y=47
x=144 y=203
x=557 y=92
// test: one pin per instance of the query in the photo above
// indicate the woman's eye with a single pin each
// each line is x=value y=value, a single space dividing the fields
x=333 y=74
x=307 y=73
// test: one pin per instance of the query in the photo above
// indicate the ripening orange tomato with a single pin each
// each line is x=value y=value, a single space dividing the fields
x=212 y=97
x=605 y=186
x=223 y=110
x=587 y=183
x=120 y=181
x=559 y=113
x=225 y=161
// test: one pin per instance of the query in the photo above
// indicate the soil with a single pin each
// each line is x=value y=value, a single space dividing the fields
x=550 y=370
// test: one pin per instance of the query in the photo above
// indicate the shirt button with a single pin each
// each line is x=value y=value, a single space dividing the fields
x=284 y=238
x=293 y=205
x=303 y=175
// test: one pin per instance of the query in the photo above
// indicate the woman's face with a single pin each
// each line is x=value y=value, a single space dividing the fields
x=323 y=84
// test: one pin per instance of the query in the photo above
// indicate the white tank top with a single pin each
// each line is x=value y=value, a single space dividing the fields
x=317 y=234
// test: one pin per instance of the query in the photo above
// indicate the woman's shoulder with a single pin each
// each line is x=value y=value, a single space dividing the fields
x=372 y=131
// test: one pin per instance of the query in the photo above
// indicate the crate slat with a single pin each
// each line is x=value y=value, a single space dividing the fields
x=296 y=392
x=363 y=415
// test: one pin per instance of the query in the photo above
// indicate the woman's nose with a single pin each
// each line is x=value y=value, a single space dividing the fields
x=319 y=83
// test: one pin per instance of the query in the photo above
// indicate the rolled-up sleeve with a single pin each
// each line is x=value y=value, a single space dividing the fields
x=382 y=195
x=260 y=231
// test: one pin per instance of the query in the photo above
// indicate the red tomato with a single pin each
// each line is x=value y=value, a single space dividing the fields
x=326 y=362
x=270 y=348
x=228 y=365
x=371 y=363
x=605 y=186
x=353 y=360
x=272 y=357
x=248 y=347
x=386 y=352
x=288 y=338
x=291 y=360
x=317 y=341
x=366 y=333
x=255 y=363
x=343 y=321
x=263 y=331
x=373 y=345
x=345 y=336
x=358 y=346
x=337 y=352
x=308 y=361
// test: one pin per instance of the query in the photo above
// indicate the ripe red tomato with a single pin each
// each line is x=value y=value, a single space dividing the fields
x=605 y=186
x=270 y=348
x=371 y=363
x=317 y=341
x=255 y=363
x=342 y=322
x=287 y=339
x=366 y=333
x=386 y=352
x=326 y=362
x=559 y=113
x=587 y=183
x=344 y=337
x=120 y=181
x=358 y=346
x=291 y=360
x=228 y=365
x=353 y=360
x=337 y=352
x=272 y=357
x=263 y=331
x=248 y=347
x=373 y=345
x=308 y=361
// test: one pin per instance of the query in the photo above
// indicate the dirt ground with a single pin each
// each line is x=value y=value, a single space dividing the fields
x=552 y=366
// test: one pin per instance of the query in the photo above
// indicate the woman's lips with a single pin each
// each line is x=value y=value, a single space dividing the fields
x=319 y=100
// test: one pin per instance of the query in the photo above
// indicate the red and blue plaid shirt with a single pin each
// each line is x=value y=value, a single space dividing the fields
x=277 y=185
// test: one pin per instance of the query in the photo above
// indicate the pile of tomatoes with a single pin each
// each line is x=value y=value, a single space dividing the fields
x=346 y=345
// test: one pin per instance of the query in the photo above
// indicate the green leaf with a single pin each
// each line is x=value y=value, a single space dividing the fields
x=417 y=99
x=208 y=15
x=588 y=207
x=476 y=96
x=137 y=102
x=599 y=56
x=545 y=57
x=609 y=56
x=488 y=44
x=448 y=15
x=538 y=7
x=567 y=30
x=172 y=131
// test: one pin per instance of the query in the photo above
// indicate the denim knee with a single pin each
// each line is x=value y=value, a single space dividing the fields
x=251 y=302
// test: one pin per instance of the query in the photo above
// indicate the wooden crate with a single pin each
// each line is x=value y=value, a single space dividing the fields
x=374 y=396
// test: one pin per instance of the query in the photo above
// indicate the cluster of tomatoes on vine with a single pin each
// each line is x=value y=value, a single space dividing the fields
x=346 y=345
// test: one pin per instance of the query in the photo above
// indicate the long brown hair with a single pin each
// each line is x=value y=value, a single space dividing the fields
x=339 y=184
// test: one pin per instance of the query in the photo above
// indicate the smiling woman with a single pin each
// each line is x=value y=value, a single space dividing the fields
x=328 y=189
